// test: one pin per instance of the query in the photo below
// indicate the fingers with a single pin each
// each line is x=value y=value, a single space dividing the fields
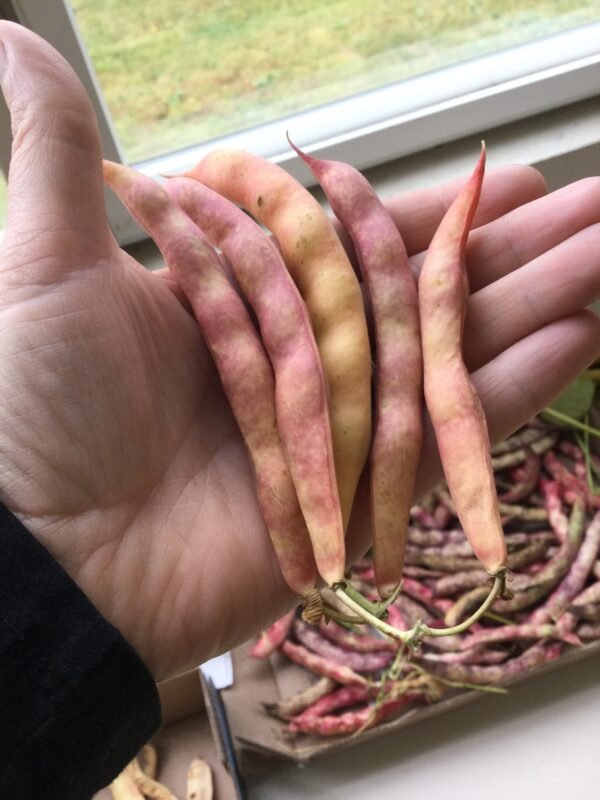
x=526 y=377
x=514 y=386
x=519 y=382
x=525 y=233
x=56 y=197
x=557 y=283
x=418 y=214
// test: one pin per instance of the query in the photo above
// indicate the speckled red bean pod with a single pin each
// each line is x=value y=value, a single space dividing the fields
x=534 y=656
x=511 y=633
x=390 y=285
x=558 y=564
x=245 y=371
x=574 y=581
x=300 y=385
x=342 y=697
x=361 y=643
x=558 y=520
x=321 y=666
x=353 y=721
x=271 y=639
x=294 y=705
x=311 y=638
x=528 y=477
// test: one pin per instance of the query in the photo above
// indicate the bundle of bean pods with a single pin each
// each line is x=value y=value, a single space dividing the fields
x=299 y=381
x=551 y=518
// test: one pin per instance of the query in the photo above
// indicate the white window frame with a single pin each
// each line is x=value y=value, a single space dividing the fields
x=395 y=121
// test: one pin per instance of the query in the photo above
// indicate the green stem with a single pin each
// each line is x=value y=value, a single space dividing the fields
x=420 y=630
x=376 y=609
x=592 y=374
x=575 y=423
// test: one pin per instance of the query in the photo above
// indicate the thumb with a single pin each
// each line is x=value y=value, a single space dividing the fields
x=55 y=195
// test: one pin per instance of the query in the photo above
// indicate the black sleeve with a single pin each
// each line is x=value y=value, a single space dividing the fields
x=76 y=701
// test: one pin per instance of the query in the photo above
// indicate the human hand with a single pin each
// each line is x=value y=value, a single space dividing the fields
x=117 y=447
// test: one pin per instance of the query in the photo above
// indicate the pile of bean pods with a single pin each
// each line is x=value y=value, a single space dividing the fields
x=551 y=520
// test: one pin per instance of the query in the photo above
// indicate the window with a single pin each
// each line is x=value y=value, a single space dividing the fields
x=361 y=82
x=181 y=73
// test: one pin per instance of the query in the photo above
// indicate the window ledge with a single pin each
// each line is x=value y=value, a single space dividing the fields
x=563 y=144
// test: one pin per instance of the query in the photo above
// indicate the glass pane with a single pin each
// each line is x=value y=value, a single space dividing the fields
x=178 y=72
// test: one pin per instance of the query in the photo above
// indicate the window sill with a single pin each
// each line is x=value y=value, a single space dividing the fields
x=563 y=144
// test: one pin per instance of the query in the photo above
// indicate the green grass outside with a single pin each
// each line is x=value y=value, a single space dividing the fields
x=176 y=72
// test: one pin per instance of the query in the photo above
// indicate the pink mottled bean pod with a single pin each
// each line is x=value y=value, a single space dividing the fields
x=534 y=656
x=397 y=437
x=353 y=721
x=574 y=581
x=454 y=406
x=324 y=667
x=271 y=639
x=300 y=387
x=328 y=284
x=311 y=638
x=343 y=697
x=245 y=371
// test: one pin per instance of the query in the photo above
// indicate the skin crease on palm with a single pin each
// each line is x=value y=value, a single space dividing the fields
x=117 y=449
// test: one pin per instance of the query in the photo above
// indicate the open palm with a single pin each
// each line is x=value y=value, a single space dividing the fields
x=117 y=448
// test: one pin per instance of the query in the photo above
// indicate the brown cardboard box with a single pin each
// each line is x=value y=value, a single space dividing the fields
x=259 y=737
x=186 y=734
x=257 y=682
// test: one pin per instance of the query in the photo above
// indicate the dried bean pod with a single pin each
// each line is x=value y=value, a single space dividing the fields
x=517 y=457
x=391 y=288
x=440 y=562
x=587 y=611
x=511 y=633
x=321 y=666
x=199 y=780
x=527 y=482
x=574 y=581
x=292 y=706
x=434 y=537
x=588 y=631
x=534 y=656
x=322 y=271
x=244 y=368
x=353 y=721
x=147 y=785
x=424 y=517
x=311 y=638
x=529 y=589
x=343 y=697
x=300 y=386
x=123 y=787
x=559 y=521
x=271 y=639
x=454 y=406
x=523 y=438
x=148 y=760
x=450 y=585
x=591 y=594
x=521 y=512
x=465 y=604
x=359 y=642
x=475 y=655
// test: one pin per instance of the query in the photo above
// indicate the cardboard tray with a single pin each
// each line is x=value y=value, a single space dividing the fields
x=258 y=734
